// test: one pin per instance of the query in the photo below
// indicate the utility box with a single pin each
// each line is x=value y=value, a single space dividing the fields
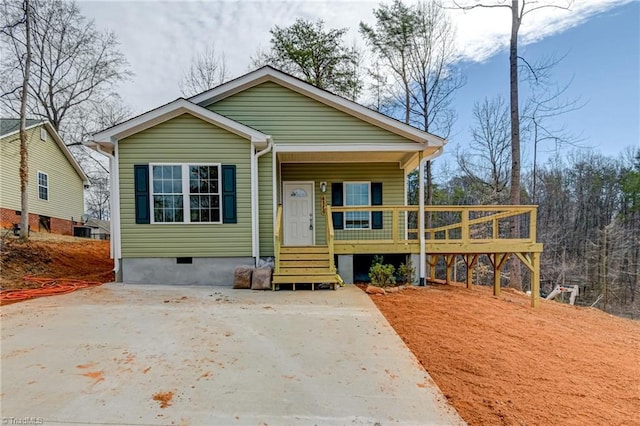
x=82 y=231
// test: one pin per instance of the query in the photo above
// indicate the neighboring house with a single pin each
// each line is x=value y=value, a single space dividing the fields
x=56 y=180
x=100 y=229
x=267 y=165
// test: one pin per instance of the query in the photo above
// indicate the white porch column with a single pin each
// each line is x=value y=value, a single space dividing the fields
x=423 y=257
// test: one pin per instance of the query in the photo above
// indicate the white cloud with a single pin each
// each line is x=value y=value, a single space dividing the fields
x=160 y=38
x=483 y=32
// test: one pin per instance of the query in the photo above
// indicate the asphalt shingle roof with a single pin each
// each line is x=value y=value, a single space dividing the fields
x=8 y=125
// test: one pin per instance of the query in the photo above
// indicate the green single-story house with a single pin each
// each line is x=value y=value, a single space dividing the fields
x=198 y=184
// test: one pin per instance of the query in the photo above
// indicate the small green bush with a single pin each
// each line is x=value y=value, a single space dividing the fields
x=406 y=272
x=382 y=275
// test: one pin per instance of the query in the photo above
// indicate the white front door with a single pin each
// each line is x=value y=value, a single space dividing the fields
x=298 y=213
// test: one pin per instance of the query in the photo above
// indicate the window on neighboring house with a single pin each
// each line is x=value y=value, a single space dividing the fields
x=186 y=193
x=357 y=194
x=43 y=186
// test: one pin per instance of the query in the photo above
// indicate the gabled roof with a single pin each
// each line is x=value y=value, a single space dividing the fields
x=56 y=138
x=171 y=110
x=269 y=74
x=103 y=225
x=10 y=125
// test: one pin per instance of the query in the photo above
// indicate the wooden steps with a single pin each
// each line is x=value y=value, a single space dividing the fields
x=305 y=265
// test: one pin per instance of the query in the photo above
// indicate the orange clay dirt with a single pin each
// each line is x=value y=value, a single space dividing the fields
x=500 y=362
x=164 y=398
x=53 y=256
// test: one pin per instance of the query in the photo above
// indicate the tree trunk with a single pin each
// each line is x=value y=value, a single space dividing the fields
x=514 y=194
x=24 y=154
x=407 y=109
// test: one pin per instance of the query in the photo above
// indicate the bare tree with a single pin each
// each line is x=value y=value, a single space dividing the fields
x=518 y=12
x=208 y=69
x=98 y=197
x=92 y=119
x=547 y=102
x=73 y=64
x=16 y=32
x=487 y=159
x=433 y=77
x=391 y=40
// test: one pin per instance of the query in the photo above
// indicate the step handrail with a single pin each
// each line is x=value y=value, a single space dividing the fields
x=278 y=238
x=330 y=236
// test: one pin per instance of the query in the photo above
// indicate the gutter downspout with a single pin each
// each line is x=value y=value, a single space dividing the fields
x=114 y=208
x=255 y=201
x=421 y=227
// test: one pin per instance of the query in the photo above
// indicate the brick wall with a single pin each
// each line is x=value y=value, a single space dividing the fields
x=58 y=226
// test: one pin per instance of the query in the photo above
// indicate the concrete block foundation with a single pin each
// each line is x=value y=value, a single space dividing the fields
x=345 y=268
x=214 y=271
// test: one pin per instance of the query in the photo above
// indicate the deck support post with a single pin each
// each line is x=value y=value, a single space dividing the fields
x=535 y=280
x=497 y=261
x=433 y=262
x=449 y=260
x=496 y=276
x=470 y=260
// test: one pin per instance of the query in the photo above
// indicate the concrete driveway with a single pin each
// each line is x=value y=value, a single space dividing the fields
x=157 y=355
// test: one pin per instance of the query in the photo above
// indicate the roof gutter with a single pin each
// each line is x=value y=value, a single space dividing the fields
x=255 y=202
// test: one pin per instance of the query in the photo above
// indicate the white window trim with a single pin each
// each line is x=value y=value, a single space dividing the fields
x=344 y=203
x=38 y=173
x=186 y=202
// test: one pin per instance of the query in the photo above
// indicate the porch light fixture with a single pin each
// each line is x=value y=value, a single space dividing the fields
x=323 y=187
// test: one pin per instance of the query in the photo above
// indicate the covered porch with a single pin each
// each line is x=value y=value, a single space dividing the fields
x=315 y=221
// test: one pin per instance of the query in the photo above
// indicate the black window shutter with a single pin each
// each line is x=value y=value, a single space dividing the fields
x=229 y=198
x=376 y=200
x=141 y=187
x=336 y=200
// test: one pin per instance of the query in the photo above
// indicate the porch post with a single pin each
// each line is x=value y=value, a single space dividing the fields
x=421 y=217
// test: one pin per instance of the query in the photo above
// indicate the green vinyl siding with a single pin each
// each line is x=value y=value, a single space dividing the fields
x=66 y=188
x=391 y=176
x=185 y=139
x=265 y=200
x=294 y=118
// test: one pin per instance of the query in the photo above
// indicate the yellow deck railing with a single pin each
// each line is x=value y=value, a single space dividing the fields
x=451 y=226
x=453 y=232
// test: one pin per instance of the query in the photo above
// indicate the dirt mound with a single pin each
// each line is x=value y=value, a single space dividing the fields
x=500 y=362
x=62 y=257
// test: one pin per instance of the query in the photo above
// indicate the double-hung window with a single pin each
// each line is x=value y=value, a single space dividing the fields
x=357 y=194
x=185 y=193
x=204 y=193
x=43 y=186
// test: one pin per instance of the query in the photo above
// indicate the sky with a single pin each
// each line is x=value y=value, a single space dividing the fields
x=599 y=40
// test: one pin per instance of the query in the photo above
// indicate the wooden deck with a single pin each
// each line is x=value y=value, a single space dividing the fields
x=451 y=232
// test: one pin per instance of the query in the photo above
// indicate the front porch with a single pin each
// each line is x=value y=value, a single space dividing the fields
x=450 y=233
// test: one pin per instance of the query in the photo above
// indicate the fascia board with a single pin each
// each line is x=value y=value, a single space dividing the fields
x=172 y=110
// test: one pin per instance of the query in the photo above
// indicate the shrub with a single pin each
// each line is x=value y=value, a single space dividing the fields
x=382 y=275
x=407 y=272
